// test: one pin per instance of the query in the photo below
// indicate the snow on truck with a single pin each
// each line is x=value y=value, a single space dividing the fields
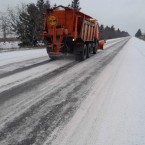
x=68 y=30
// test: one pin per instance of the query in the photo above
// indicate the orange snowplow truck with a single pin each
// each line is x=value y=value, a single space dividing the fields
x=68 y=30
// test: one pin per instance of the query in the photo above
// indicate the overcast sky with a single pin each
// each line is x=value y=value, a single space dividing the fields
x=128 y=15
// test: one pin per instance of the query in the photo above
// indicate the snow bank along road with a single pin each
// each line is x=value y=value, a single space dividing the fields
x=96 y=102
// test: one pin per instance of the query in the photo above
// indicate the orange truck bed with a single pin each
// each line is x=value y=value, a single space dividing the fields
x=67 y=30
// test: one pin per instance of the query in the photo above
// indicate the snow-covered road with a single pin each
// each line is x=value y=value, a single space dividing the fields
x=100 y=101
x=114 y=111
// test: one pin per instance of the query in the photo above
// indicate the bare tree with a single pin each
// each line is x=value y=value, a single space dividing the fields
x=4 y=25
x=13 y=16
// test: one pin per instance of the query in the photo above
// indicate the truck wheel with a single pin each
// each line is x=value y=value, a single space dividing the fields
x=88 y=50
x=95 y=48
x=48 y=49
x=52 y=57
x=83 y=54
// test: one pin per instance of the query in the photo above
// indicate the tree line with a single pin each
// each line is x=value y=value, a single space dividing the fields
x=26 y=22
x=139 y=34
x=110 y=32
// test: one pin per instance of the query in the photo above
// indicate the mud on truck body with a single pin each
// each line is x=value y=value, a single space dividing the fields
x=68 y=30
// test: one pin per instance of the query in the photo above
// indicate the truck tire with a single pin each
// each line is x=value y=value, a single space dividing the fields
x=52 y=57
x=95 y=48
x=83 y=54
x=48 y=49
x=88 y=50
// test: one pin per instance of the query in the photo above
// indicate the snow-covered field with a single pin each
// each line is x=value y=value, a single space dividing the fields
x=19 y=56
x=100 y=101
x=14 y=46
x=11 y=44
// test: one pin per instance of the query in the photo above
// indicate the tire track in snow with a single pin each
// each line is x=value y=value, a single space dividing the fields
x=57 y=114
x=28 y=64
x=11 y=93
x=22 y=66
x=32 y=83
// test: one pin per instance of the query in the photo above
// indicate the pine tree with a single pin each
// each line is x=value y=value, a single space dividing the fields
x=101 y=30
x=75 y=4
x=47 y=5
x=42 y=6
x=101 y=27
x=27 y=26
x=118 y=30
x=55 y=5
x=112 y=28
x=138 y=33
x=30 y=23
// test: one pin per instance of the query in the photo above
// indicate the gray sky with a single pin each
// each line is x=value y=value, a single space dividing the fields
x=128 y=15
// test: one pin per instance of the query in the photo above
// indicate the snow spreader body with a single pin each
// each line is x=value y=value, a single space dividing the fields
x=68 y=30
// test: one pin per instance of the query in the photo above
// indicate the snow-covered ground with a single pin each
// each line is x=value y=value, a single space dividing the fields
x=19 y=56
x=114 y=111
x=22 y=55
x=11 y=44
x=10 y=61
x=100 y=101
